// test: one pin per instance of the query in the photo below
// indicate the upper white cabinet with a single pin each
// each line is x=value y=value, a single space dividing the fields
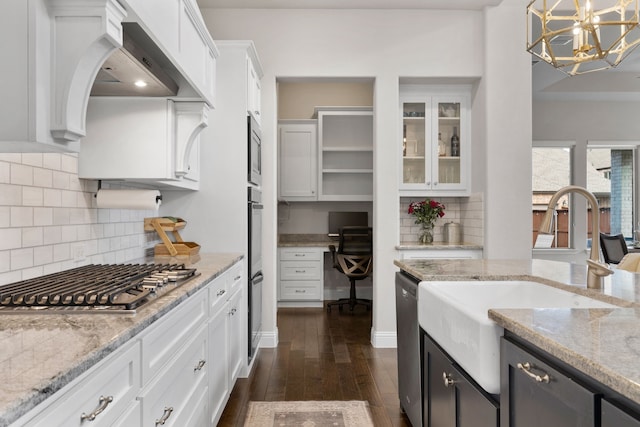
x=254 y=88
x=58 y=46
x=297 y=160
x=160 y=145
x=435 y=145
x=345 y=153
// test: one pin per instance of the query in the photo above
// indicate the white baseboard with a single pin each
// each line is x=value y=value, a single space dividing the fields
x=382 y=339
x=303 y=304
x=269 y=339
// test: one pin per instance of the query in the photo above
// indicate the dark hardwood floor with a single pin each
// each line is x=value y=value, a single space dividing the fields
x=322 y=356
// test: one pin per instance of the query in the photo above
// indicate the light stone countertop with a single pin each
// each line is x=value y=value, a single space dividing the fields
x=323 y=240
x=436 y=246
x=40 y=354
x=602 y=343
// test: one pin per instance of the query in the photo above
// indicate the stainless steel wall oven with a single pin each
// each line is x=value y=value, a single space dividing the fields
x=255 y=268
x=254 y=164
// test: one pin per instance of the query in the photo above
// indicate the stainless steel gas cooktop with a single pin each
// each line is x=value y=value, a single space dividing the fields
x=108 y=288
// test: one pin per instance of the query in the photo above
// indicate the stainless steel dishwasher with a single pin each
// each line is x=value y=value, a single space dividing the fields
x=408 y=340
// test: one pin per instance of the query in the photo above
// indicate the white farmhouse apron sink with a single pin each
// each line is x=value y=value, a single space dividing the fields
x=455 y=315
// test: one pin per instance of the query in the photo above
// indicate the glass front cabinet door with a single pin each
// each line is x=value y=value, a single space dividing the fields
x=435 y=144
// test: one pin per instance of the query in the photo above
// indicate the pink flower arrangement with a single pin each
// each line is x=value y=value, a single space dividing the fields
x=426 y=211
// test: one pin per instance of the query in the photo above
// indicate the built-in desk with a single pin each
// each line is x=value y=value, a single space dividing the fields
x=306 y=277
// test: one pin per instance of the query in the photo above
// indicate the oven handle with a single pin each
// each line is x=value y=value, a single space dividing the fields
x=256 y=205
x=257 y=278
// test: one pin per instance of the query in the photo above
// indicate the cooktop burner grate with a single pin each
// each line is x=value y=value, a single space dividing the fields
x=118 y=286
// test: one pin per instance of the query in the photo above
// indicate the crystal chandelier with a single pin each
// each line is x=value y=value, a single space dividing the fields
x=580 y=36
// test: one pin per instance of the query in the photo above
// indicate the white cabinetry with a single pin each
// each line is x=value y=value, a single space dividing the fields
x=177 y=372
x=345 y=153
x=435 y=149
x=104 y=395
x=160 y=146
x=254 y=88
x=301 y=274
x=297 y=160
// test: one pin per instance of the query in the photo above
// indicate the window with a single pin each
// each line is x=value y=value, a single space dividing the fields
x=551 y=166
x=610 y=177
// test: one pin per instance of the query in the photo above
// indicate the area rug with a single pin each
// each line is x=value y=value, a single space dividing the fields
x=354 y=413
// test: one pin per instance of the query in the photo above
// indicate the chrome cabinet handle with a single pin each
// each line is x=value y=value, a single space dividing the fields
x=233 y=311
x=299 y=255
x=103 y=402
x=301 y=291
x=221 y=292
x=165 y=416
x=301 y=271
x=200 y=365
x=237 y=278
x=448 y=379
x=527 y=367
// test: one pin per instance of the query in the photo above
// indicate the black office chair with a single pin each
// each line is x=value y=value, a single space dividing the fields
x=613 y=247
x=353 y=258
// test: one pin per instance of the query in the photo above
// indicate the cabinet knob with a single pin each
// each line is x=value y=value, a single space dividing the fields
x=448 y=379
x=428 y=182
x=435 y=183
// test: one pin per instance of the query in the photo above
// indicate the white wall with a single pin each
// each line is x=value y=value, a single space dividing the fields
x=387 y=45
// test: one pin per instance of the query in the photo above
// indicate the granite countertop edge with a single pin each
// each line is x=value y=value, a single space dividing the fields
x=591 y=368
x=155 y=310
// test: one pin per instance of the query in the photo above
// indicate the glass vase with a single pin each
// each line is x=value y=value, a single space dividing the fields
x=426 y=234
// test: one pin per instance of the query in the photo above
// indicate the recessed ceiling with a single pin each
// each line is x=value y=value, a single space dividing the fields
x=348 y=4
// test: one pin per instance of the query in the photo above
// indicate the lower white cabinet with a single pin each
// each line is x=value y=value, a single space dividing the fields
x=170 y=396
x=99 y=396
x=178 y=372
x=300 y=274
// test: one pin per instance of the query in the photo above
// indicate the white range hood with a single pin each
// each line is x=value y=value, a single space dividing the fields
x=58 y=47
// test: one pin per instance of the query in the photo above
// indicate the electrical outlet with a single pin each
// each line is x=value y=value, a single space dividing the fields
x=78 y=253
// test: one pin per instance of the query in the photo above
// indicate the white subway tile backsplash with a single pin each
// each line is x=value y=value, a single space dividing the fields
x=21 y=174
x=21 y=216
x=42 y=216
x=5 y=172
x=61 y=216
x=46 y=211
x=61 y=252
x=43 y=255
x=21 y=258
x=42 y=178
x=32 y=196
x=32 y=236
x=52 y=235
x=51 y=161
x=32 y=159
x=60 y=180
x=5 y=261
x=5 y=216
x=30 y=273
x=10 y=195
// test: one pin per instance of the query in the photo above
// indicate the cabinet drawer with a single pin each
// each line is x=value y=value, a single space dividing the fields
x=293 y=270
x=179 y=384
x=235 y=277
x=218 y=293
x=170 y=333
x=117 y=377
x=293 y=290
x=555 y=398
x=298 y=254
